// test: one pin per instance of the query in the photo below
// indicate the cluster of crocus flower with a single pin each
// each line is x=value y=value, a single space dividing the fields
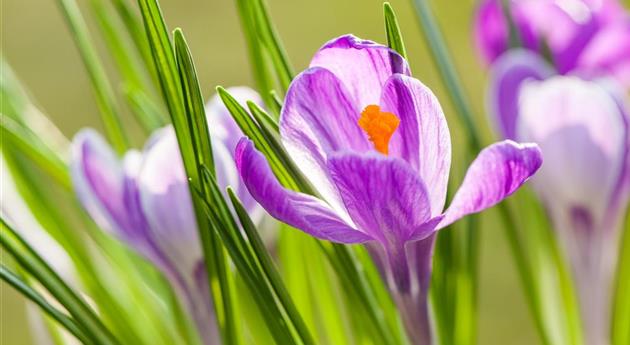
x=144 y=200
x=573 y=103
x=374 y=143
x=590 y=37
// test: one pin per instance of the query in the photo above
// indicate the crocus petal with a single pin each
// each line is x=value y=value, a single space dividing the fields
x=507 y=76
x=491 y=30
x=362 y=66
x=609 y=52
x=301 y=211
x=318 y=118
x=384 y=196
x=492 y=27
x=98 y=179
x=584 y=143
x=422 y=138
x=498 y=171
x=387 y=199
x=167 y=205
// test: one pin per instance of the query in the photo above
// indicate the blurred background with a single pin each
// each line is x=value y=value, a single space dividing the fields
x=37 y=44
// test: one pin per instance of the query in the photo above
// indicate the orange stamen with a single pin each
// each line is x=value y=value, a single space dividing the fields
x=379 y=126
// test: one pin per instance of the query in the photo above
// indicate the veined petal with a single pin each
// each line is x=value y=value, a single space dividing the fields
x=384 y=196
x=318 y=118
x=387 y=199
x=422 y=138
x=584 y=143
x=498 y=171
x=507 y=76
x=301 y=211
x=362 y=66
x=167 y=205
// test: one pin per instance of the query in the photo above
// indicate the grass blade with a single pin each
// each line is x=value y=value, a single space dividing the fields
x=28 y=144
x=105 y=98
x=202 y=151
x=442 y=60
x=36 y=266
x=271 y=273
x=241 y=253
x=258 y=59
x=128 y=66
x=22 y=287
x=271 y=42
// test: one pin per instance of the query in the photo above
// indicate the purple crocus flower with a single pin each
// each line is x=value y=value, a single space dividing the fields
x=582 y=129
x=374 y=143
x=592 y=36
x=144 y=200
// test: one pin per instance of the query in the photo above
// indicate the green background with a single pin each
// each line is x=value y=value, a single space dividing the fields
x=38 y=45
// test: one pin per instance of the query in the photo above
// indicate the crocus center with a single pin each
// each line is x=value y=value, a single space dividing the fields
x=379 y=126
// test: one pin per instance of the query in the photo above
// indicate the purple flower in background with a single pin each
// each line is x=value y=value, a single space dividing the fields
x=582 y=129
x=144 y=200
x=589 y=36
x=374 y=143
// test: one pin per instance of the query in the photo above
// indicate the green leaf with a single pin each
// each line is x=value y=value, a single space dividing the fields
x=128 y=65
x=272 y=43
x=30 y=145
x=105 y=98
x=268 y=58
x=243 y=257
x=264 y=260
x=259 y=60
x=394 y=38
x=28 y=292
x=30 y=261
x=197 y=131
x=134 y=27
x=166 y=65
x=149 y=113
x=442 y=60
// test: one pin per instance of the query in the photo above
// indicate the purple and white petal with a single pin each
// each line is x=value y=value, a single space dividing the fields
x=319 y=118
x=498 y=171
x=167 y=205
x=583 y=182
x=422 y=138
x=301 y=211
x=582 y=133
x=507 y=76
x=362 y=66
